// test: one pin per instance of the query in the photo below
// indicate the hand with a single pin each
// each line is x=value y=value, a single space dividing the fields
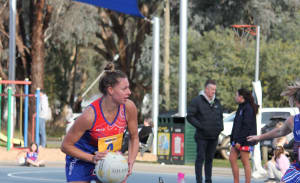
x=98 y=156
x=130 y=166
x=237 y=146
x=253 y=138
x=124 y=181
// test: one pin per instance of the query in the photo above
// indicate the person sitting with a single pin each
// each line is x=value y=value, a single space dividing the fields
x=277 y=166
x=145 y=131
x=30 y=158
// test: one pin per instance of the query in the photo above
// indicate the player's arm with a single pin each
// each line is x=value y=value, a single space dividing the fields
x=82 y=123
x=276 y=132
x=133 y=148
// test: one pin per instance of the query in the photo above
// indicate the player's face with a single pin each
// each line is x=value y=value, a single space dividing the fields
x=121 y=91
x=238 y=98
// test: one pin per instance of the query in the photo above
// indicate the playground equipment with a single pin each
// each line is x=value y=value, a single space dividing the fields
x=14 y=140
x=9 y=138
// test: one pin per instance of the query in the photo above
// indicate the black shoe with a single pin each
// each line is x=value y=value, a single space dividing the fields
x=160 y=180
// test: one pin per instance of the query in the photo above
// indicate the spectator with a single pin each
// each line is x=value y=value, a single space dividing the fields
x=31 y=157
x=205 y=113
x=145 y=131
x=277 y=166
x=44 y=115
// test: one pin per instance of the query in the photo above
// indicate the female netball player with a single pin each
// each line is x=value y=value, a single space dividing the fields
x=292 y=124
x=103 y=121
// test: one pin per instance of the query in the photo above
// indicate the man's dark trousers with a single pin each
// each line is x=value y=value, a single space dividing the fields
x=206 y=149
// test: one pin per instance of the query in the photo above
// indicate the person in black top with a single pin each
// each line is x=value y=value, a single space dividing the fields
x=145 y=131
x=205 y=113
x=244 y=125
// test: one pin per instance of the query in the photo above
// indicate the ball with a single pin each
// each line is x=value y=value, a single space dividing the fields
x=21 y=160
x=113 y=168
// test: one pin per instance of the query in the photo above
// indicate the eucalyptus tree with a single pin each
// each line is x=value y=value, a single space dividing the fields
x=91 y=35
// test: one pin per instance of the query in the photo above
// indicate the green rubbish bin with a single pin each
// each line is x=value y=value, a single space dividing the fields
x=190 y=150
x=175 y=141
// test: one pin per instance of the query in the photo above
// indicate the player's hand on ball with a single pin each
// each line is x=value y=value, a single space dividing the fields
x=130 y=166
x=98 y=156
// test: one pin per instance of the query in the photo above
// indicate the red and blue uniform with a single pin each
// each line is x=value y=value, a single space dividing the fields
x=292 y=175
x=104 y=135
x=32 y=156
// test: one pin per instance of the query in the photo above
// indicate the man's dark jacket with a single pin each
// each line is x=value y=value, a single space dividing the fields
x=205 y=117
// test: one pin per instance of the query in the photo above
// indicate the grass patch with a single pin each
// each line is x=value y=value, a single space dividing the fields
x=225 y=163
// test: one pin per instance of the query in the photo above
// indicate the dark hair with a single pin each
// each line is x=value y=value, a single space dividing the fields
x=110 y=78
x=209 y=81
x=37 y=147
x=248 y=98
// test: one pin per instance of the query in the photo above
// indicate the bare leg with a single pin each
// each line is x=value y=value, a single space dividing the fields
x=233 y=162
x=245 y=160
x=33 y=163
x=41 y=163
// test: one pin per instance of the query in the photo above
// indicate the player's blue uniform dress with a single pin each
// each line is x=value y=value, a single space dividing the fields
x=292 y=175
x=78 y=170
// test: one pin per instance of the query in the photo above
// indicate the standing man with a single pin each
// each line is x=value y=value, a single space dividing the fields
x=44 y=115
x=205 y=113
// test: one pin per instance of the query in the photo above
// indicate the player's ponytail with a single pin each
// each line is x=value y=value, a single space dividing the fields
x=109 y=77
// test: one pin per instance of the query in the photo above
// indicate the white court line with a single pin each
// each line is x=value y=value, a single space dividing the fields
x=15 y=175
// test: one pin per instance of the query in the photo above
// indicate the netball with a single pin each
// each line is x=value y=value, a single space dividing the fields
x=112 y=169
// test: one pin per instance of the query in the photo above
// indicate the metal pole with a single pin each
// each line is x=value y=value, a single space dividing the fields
x=12 y=57
x=155 y=80
x=9 y=123
x=90 y=87
x=21 y=114
x=257 y=169
x=26 y=91
x=257 y=53
x=12 y=39
x=182 y=56
x=37 y=124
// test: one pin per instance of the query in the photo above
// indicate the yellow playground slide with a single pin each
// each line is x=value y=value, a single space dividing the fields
x=14 y=141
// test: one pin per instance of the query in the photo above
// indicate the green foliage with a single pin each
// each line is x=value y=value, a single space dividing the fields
x=219 y=55
x=207 y=15
x=279 y=67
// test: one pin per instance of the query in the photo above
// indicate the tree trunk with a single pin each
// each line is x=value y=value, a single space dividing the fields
x=73 y=73
x=167 y=56
x=37 y=53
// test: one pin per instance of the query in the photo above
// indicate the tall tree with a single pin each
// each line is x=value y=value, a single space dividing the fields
x=124 y=36
x=166 y=72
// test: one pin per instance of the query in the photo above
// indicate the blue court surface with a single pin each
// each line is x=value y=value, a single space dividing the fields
x=19 y=174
